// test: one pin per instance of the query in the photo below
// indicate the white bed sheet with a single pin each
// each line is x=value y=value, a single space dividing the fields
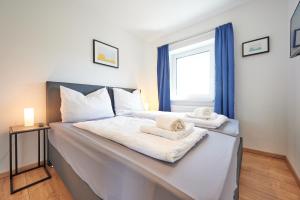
x=113 y=171
x=126 y=131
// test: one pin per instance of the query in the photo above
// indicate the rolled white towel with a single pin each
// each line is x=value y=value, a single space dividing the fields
x=203 y=112
x=171 y=135
x=170 y=123
x=212 y=116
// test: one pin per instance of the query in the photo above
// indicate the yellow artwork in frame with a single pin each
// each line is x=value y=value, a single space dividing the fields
x=105 y=54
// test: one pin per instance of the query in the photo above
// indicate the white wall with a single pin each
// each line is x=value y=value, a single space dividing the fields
x=294 y=103
x=52 y=40
x=260 y=80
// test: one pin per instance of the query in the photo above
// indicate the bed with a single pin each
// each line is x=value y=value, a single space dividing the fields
x=96 y=168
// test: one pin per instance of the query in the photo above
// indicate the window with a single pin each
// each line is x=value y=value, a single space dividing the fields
x=192 y=73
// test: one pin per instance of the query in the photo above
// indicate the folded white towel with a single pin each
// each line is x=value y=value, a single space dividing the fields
x=209 y=124
x=212 y=116
x=202 y=112
x=172 y=135
x=170 y=123
x=202 y=123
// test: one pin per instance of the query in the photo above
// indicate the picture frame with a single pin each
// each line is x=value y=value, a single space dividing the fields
x=255 y=47
x=296 y=41
x=294 y=32
x=105 y=54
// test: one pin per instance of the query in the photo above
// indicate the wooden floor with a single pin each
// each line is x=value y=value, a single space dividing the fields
x=267 y=178
x=262 y=178
x=52 y=189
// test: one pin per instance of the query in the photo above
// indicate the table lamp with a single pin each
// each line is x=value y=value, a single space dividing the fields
x=28 y=116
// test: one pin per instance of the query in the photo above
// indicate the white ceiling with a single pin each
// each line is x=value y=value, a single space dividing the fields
x=150 y=19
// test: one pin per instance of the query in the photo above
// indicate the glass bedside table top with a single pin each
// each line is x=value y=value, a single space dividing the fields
x=22 y=128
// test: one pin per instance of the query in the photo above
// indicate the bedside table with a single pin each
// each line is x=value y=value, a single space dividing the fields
x=14 y=131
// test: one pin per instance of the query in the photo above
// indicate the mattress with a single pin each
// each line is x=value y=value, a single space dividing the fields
x=207 y=172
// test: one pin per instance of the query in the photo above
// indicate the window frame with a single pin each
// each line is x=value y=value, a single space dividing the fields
x=194 y=100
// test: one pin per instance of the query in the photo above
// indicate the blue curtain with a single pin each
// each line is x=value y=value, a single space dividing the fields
x=224 y=60
x=163 y=78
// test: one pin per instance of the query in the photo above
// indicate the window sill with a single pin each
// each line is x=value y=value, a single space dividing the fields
x=188 y=106
x=192 y=103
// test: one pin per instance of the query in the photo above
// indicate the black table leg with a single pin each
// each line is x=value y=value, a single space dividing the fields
x=10 y=163
x=48 y=150
x=16 y=154
x=39 y=149
x=45 y=148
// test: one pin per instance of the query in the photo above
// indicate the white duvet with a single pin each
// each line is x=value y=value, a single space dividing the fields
x=126 y=131
x=202 y=123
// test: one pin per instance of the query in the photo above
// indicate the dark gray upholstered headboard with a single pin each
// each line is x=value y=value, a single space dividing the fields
x=53 y=97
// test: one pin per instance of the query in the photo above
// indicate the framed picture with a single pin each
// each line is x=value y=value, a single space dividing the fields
x=295 y=32
x=254 y=47
x=105 y=54
x=296 y=42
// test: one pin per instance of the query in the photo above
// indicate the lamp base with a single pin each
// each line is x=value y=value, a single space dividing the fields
x=41 y=124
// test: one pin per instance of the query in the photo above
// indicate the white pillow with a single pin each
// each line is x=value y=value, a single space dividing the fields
x=127 y=102
x=77 y=107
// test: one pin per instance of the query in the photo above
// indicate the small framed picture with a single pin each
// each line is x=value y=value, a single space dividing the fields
x=254 y=47
x=296 y=42
x=105 y=54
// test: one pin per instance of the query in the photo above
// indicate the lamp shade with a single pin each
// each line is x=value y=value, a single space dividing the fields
x=28 y=116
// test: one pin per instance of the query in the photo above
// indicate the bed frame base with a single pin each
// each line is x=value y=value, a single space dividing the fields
x=80 y=189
